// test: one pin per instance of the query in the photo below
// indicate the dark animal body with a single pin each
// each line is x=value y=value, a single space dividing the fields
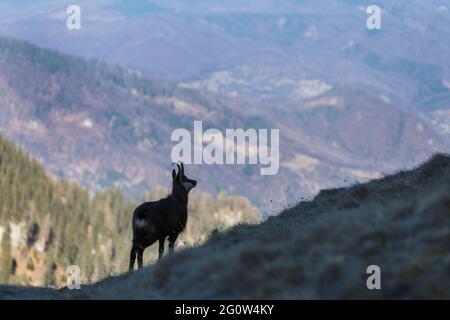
x=161 y=220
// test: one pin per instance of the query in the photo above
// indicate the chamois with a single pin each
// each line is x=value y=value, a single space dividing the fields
x=158 y=220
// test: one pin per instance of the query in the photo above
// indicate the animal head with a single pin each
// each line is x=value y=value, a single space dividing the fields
x=180 y=178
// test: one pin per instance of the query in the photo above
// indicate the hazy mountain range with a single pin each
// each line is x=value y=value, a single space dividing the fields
x=350 y=103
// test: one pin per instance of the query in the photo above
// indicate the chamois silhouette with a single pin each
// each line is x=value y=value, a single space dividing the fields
x=158 y=220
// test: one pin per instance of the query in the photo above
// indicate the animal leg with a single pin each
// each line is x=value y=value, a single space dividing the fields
x=132 y=258
x=140 y=254
x=172 y=240
x=161 y=248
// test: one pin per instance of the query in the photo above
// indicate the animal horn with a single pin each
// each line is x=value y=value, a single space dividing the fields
x=178 y=166
x=182 y=167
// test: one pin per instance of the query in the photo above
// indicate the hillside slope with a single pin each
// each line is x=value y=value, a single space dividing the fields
x=318 y=249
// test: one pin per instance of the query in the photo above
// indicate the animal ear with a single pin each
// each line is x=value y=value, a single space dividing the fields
x=174 y=174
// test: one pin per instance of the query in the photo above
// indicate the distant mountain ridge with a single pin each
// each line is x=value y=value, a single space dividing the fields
x=350 y=103
x=106 y=126
x=258 y=42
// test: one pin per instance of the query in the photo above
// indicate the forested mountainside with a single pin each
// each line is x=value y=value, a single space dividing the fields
x=47 y=224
